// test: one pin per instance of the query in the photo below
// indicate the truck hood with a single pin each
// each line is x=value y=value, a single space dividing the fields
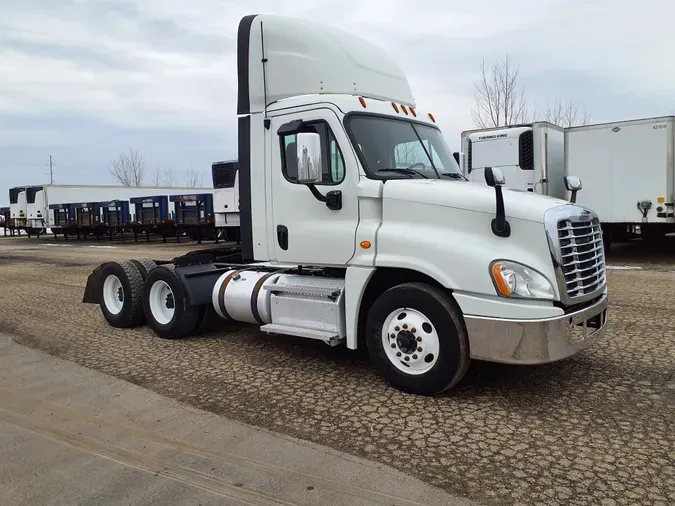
x=470 y=196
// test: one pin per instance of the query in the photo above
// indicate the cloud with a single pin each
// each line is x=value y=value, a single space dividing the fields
x=153 y=66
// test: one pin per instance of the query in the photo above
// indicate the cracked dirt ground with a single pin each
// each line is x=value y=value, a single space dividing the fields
x=598 y=428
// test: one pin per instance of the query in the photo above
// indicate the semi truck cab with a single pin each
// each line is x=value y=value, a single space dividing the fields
x=358 y=228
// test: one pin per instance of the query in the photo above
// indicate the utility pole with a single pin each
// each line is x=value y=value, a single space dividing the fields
x=51 y=170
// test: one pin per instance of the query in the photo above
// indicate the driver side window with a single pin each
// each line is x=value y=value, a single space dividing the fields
x=332 y=161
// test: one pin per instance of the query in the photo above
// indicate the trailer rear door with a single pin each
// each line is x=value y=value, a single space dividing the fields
x=621 y=165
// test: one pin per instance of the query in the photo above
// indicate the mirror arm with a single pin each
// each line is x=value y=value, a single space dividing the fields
x=573 y=197
x=317 y=194
x=333 y=199
x=500 y=227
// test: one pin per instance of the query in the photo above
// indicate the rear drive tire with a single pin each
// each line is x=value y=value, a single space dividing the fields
x=164 y=301
x=144 y=265
x=121 y=294
x=417 y=339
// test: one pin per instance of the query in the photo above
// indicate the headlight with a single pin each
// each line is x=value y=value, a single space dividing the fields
x=518 y=281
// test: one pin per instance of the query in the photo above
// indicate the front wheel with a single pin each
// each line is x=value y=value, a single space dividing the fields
x=164 y=304
x=417 y=339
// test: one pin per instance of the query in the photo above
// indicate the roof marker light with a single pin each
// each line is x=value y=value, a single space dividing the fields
x=412 y=110
x=404 y=109
x=394 y=106
x=431 y=117
x=363 y=102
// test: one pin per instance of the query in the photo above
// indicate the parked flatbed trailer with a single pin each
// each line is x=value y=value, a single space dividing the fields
x=115 y=217
x=194 y=216
x=62 y=220
x=152 y=215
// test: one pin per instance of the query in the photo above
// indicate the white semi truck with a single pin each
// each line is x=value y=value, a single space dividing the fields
x=357 y=228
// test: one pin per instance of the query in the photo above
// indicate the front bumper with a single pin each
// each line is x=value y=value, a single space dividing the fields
x=536 y=341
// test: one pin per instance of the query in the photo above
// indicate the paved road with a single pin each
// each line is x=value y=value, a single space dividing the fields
x=70 y=435
x=594 y=429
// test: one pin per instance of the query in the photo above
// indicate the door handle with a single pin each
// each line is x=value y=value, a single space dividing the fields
x=282 y=236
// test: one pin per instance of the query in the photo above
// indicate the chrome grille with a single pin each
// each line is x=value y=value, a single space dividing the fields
x=582 y=257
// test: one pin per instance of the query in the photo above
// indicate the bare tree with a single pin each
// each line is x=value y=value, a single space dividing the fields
x=566 y=114
x=157 y=177
x=169 y=176
x=193 y=178
x=499 y=97
x=128 y=168
x=166 y=177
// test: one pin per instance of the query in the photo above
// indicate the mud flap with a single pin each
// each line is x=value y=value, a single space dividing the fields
x=91 y=290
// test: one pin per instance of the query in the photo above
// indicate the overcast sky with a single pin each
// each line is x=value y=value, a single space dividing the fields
x=83 y=80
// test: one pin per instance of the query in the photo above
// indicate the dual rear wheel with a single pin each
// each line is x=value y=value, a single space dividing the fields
x=138 y=291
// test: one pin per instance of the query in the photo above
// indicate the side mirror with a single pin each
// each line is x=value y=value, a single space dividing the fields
x=495 y=177
x=573 y=184
x=308 y=151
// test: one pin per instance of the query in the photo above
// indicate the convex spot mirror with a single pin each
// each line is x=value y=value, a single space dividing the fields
x=572 y=183
x=494 y=176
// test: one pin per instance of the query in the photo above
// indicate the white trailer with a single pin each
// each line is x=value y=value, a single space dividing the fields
x=39 y=198
x=627 y=170
x=383 y=244
x=226 y=200
x=532 y=156
x=18 y=207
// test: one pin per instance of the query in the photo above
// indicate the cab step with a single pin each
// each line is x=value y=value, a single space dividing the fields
x=330 y=338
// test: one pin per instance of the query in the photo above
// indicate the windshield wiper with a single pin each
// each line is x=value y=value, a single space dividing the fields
x=454 y=175
x=408 y=172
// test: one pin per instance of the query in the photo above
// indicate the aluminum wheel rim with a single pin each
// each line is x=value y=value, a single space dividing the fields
x=113 y=294
x=410 y=341
x=162 y=302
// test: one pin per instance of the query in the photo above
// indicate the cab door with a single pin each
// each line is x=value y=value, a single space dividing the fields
x=314 y=212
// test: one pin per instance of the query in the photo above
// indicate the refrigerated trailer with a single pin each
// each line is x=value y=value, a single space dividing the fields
x=42 y=197
x=343 y=243
x=17 y=208
x=532 y=156
x=627 y=170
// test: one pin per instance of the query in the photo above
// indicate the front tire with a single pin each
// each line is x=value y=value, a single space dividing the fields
x=164 y=304
x=417 y=339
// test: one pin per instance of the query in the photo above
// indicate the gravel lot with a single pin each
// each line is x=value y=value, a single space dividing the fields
x=598 y=428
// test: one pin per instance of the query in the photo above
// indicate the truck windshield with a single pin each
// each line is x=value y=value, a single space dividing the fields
x=394 y=148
